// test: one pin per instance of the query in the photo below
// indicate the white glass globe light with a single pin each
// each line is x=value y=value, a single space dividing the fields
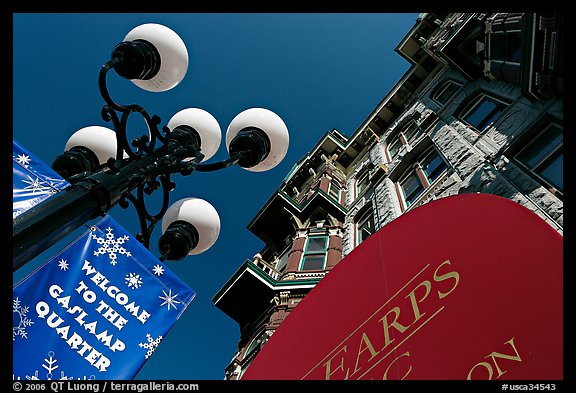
x=101 y=140
x=205 y=125
x=274 y=128
x=201 y=215
x=173 y=56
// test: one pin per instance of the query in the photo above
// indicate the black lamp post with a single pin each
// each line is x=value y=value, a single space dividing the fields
x=104 y=169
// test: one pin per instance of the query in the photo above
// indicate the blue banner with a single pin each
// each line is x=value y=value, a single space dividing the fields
x=32 y=180
x=97 y=310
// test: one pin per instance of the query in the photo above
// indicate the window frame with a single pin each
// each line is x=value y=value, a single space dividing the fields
x=286 y=253
x=403 y=178
x=334 y=185
x=502 y=41
x=255 y=343
x=401 y=139
x=415 y=129
x=424 y=180
x=425 y=156
x=393 y=142
x=553 y=154
x=489 y=119
x=442 y=88
x=366 y=217
x=362 y=176
x=306 y=252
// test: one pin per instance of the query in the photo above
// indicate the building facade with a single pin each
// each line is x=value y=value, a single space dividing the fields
x=480 y=110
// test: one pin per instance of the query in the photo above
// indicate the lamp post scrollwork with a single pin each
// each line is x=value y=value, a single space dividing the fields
x=105 y=169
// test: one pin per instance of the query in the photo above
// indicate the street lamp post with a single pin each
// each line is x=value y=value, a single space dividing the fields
x=104 y=169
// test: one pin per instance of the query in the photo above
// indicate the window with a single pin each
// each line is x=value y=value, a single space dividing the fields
x=365 y=227
x=483 y=111
x=506 y=46
x=445 y=91
x=505 y=37
x=544 y=156
x=411 y=187
x=433 y=166
x=314 y=253
x=334 y=191
x=407 y=135
x=253 y=345
x=503 y=46
x=394 y=147
x=425 y=171
x=283 y=260
x=411 y=132
x=362 y=182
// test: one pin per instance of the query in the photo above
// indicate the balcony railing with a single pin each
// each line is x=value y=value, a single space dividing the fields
x=266 y=267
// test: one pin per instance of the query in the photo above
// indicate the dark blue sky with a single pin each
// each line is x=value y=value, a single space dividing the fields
x=316 y=71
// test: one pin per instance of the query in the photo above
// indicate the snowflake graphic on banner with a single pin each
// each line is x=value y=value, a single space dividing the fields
x=22 y=319
x=37 y=185
x=150 y=345
x=169 y=299
x=32 y=180
x=23 y=160
x=111 y=246
x=133 y=280
x=158 y=270
x=63 y=264
x=50 y=366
